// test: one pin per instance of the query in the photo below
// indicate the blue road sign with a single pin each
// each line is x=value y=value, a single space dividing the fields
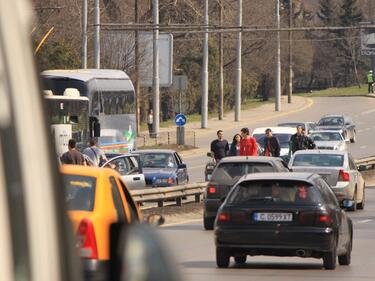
x=180 y=120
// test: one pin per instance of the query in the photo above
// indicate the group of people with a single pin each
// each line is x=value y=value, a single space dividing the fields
x=245 y=145
x=74 y=157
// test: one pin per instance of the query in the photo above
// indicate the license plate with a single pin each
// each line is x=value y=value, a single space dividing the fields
x=272 y=216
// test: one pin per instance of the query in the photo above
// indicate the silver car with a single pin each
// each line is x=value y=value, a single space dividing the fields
x=338 y=169
x=333 y=140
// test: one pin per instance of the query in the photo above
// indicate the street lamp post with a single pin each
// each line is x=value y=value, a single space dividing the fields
x=278 y=63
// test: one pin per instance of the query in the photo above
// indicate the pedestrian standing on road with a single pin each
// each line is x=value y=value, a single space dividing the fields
x=271 y=145
x=299 y=141
x=370 y=82
x=248 y=145
x=220 y=146
x=96 y=155
x=235 y=145
x=310 y=142
x=150 y=121
x=73 y=156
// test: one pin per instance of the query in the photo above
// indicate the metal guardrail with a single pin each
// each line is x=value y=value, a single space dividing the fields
x=177 y=193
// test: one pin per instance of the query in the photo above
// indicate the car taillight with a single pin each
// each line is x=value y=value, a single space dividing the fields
x=324 y=218
x=223 y=217
x=212 y=189
x=86 y=240
x=343 y=176
x=170 y=181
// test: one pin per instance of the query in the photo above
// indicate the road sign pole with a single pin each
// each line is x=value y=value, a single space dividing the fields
x=237 y=113
x=96 y=34
x=204 y=87
x=155 y=80
x=278 y=63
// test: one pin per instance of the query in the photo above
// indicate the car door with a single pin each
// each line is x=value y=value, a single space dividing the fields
x=135 y=176
x=354 y=177
x=181 y=169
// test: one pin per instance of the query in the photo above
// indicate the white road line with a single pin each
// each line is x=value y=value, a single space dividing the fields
x=368 y=112
x=365 y=221
x=368 y=129
x=363 y=147
x=359 y=131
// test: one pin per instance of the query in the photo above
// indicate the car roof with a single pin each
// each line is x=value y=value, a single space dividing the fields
x=240 y=159
x=320 y=151
x=327 y=131
x=85 y=74
x=141 y=151
x=332 y=115
x=278 y=176
x=87 y=171
x=276 y=130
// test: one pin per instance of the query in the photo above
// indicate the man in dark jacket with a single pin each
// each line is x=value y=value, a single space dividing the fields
x=73 y=156
x=271 y=145
x=220 y=146
x=299 y=141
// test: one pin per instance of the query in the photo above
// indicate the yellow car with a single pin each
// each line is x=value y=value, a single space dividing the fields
x=96 y=198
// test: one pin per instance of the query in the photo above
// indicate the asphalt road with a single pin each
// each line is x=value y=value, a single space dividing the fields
x=361 y=109
x=193 y=252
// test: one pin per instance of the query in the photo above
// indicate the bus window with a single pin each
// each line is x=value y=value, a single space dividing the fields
x=117 y=102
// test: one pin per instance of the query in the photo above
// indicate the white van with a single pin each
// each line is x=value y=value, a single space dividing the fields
x=282 y=133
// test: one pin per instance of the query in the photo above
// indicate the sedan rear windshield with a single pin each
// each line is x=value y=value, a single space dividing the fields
x=331 y=121
x=275 y=192
x=327 y=136
x=230 y=173
x=79 y=192
x=318 y=160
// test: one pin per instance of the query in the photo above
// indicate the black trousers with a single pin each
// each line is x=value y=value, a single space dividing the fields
x=370 y=88
x=149 y=129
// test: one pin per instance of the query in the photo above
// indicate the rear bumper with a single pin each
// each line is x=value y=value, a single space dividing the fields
x=343 y=190
x=283 y=242
x=95 y=270
x=211 y=206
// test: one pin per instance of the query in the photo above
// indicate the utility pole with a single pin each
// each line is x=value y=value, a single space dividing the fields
x=84 y=35
x=155 y=80
x=290 y=92
x=237 y=113
x=204 y=87
x=278 y=64
x=96 y=34
x=137 y=82
x=221 y=64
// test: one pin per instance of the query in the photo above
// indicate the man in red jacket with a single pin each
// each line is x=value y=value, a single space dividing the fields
x=248 y=145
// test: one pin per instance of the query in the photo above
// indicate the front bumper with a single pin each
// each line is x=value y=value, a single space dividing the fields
x=95 y=270
x=276 y=241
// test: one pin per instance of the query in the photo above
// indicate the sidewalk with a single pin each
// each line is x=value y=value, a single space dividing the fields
x=250 y=116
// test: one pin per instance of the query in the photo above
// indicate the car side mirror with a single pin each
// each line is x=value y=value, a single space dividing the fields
x=209 y=154
x=155 y=220
x=182 y=166
x=362 y=168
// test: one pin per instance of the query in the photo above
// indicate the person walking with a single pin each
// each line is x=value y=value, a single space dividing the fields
x=235 y=145
x=96 y=155
x=73 y=156
x=271 y=145
x=150 y=121
x=370 y=82
x=220 y=146
x=248 y=145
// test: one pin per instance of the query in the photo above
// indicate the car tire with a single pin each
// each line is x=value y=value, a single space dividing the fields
x=222 y=258
x=329 y=259
x=354 y=207
x=240 y=259
x=361 y=206
x=346 y=258
x=208 y=223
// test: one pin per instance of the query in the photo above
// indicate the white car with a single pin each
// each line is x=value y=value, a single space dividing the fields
x=332 y=140
x=283 y=134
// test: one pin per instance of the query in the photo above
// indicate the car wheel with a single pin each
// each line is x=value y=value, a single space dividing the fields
x=240 y=259
x=222 y=258
x=354 y=207
x=329 y=259
x=346 y=258
x=361 y=206
x=208 y=223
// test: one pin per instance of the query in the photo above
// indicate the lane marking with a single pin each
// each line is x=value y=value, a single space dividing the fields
x=365 y=221
x=368 y=112
x=363 y=147
x=359 y=131
x=181 y=223
x=368 y=129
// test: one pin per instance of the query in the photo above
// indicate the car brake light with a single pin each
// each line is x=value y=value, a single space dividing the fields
x=86 y=240
x=325 y=219
x=211 y=189
x=223 y=217
x=344 y=176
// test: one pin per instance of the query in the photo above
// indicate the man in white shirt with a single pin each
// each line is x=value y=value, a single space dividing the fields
x=95 y=153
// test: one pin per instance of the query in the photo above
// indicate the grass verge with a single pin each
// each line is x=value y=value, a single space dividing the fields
x=338 y=92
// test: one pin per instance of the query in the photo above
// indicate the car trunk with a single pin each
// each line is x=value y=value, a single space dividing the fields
x=329 y=174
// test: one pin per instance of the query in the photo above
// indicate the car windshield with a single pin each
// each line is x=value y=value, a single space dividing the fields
x=318 y=160
x=283 y=139
x=157 y=160
x=275 y=192
x=331 y=121
x=79 y=192
x=327 y=136
x=230 y=173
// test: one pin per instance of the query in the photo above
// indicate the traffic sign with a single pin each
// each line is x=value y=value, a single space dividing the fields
x=180 y=120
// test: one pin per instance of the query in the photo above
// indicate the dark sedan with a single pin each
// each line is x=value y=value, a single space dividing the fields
x=338 y=122
x=225 y=176
x=284 y=214
x=163 y=168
